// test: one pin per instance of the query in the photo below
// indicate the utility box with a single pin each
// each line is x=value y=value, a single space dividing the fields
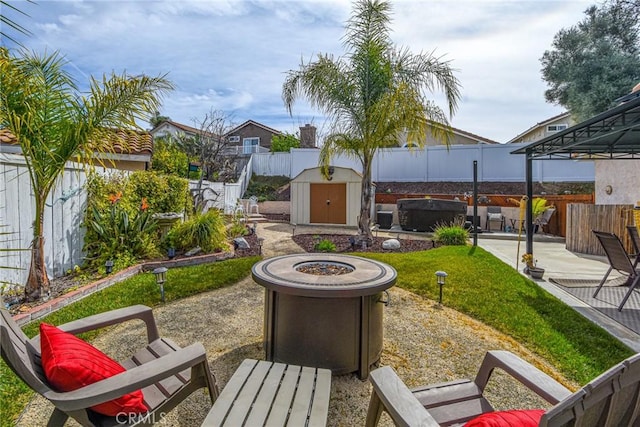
x=385 y=219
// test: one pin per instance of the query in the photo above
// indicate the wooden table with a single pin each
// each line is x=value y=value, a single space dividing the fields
x=273 y=394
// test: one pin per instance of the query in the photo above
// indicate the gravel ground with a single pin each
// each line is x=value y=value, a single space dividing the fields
x=423 y=342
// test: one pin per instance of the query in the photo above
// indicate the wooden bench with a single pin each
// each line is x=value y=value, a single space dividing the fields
x=266 y=393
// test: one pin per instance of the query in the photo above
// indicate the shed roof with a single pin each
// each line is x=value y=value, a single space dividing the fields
x=614 y=134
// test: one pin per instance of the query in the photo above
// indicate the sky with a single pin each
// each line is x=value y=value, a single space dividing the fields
x=233 y=55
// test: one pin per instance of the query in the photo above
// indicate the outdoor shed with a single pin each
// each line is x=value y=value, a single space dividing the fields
x=333 y=200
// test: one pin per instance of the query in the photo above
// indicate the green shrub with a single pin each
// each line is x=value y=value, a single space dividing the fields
x=206 y=231
x=284 y=143
x=451 y=234
x=119 y=235
x=325 y=246
x=169 y=159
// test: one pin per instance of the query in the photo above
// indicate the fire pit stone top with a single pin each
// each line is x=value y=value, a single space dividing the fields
x=357 y=277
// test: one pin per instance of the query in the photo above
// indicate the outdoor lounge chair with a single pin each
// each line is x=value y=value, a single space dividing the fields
x=544 y=218
x=618 y=260
x=635 y=241
x=611 y=399
x=166 y=373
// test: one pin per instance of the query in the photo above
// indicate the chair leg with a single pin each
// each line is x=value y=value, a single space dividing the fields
x=604 y=279
x=628 y=294
x=374 y=411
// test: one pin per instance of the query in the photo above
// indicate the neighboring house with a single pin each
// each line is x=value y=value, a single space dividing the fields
x=173 y=129
x=131 y=149
x=459 y=137
x=545 y=128
x=251 y=137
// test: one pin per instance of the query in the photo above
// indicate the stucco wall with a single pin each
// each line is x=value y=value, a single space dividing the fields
x=623 y=177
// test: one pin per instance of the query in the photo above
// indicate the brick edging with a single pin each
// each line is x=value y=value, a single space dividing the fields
x=63 y=300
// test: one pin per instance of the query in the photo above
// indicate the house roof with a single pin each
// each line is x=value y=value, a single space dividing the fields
x=251 y=122
x=474 y=136
x=537 y=125
x=614 y=134
x=123 y=141
x=184 y=128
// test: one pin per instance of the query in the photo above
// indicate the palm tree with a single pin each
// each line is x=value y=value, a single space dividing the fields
x=373 y=94
x=53 y=123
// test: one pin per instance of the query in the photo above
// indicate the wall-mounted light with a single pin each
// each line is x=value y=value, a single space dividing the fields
x=608 y=189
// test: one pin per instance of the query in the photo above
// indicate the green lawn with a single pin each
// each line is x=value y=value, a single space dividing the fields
x=478 y=284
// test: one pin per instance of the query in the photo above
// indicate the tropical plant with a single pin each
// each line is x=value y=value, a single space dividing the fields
x=373 y=94
x=118 y=234
x=539 y=206
x=53 y=123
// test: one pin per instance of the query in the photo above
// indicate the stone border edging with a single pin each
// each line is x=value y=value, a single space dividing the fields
x=70 y=297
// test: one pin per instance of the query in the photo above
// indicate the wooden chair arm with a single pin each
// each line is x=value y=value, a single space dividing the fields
x=397 y=400
x=533 y=378
x=113 y=317
x=131 y=380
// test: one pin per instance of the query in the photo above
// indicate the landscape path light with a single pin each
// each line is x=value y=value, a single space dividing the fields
x=108 y=266
x=260 y=243
x=441 y=277
x=161 y=277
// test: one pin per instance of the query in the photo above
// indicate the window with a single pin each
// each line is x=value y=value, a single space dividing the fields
x=234 y=138
x=250 y=145
x=556 y=128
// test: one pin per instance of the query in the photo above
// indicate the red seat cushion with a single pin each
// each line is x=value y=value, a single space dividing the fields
x=520 y=418
x=70 y=363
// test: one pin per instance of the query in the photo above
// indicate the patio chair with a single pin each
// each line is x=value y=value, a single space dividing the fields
x=253 y=205
x=544 y=219
x=494 y=213
x=611 y=399
x=165 y=373
x=635 y=242
x=618 y=260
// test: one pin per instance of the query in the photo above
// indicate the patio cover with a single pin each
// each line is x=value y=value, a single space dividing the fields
x=612 y=135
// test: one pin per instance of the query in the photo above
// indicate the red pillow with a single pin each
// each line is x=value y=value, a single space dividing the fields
x=70 y=363
x=518 y=418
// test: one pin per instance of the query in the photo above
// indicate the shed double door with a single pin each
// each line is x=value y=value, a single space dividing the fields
x=328 y=203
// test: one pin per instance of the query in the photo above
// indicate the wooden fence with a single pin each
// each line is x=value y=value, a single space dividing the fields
x=582 y=219
x=557 y=224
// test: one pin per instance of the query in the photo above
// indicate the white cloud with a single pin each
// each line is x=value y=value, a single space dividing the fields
x=233 y=54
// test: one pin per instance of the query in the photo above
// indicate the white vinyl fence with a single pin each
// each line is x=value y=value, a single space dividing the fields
x=63 y=233
x=435 y=164
x=62 y=218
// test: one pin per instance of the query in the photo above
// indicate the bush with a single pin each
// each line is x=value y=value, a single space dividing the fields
x=451 y=234
x=119 y=235
x=206 y=231
x=325 y=246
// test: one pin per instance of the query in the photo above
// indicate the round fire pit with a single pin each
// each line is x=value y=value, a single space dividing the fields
x=324 y=310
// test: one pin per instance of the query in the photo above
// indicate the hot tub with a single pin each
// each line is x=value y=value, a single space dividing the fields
x=426 y=214
x=328 y=319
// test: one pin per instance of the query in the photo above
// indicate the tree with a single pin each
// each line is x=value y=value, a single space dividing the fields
x=284 y=143
x=12 y=24
x=40 y=104
x=157 y=118
x=594 y=62
x=210 y=148
x=373 y=94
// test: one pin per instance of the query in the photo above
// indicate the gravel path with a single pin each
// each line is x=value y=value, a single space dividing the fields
x=424 y=343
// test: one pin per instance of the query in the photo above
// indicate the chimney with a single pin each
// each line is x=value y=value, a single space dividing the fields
x=307 y=136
